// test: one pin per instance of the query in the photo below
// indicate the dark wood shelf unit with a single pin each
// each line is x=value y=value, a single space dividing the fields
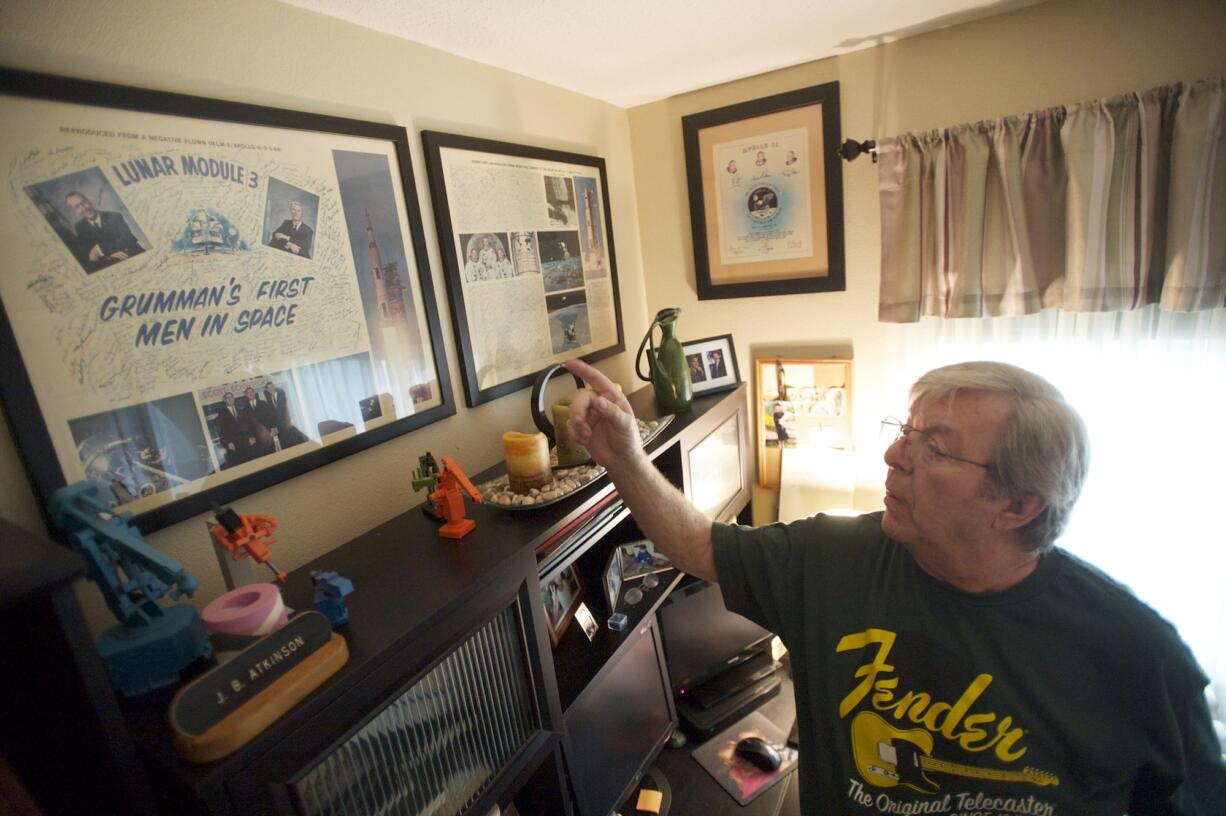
x=415 y=598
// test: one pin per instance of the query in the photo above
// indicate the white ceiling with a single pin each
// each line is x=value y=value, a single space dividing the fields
x=629 y=52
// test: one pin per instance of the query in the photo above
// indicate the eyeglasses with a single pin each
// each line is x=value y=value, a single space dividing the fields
x=920 y=445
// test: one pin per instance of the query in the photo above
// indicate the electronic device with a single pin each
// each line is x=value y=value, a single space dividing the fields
x=708 y=721
x=629 y=697
x=702 y=638
x=758 y=753
x=730 y=681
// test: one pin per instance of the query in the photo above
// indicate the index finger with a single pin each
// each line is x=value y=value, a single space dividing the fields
x=601 y=384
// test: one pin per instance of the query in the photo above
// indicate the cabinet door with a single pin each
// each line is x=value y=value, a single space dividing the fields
x=458 y=733
x=438 y=745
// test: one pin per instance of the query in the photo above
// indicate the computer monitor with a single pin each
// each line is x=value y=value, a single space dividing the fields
x=619 y=724
x=702 y=638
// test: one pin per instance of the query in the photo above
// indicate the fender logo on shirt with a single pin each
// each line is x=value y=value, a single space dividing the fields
x=974 y=732
x=886 y=756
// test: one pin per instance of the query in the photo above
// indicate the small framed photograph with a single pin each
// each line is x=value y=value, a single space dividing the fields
x=640 y=559
x=712 y=362
x=586 y=621
x=561 y=595
x=613 y=580
x=801 y=403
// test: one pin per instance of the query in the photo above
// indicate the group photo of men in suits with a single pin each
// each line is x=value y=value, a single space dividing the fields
x=253 y=424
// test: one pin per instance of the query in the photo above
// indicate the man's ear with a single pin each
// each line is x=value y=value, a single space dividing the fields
x=1018 y=512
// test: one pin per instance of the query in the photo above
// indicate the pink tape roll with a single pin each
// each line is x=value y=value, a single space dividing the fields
x=254 y=609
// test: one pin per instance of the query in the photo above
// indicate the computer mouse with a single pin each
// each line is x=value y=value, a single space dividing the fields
x=759 y=753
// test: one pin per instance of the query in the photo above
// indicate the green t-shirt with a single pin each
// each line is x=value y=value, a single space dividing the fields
x=1061 y=695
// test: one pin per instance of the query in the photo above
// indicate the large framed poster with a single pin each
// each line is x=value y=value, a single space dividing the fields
x=766 y=195
x=527 y=246
x=201 y=298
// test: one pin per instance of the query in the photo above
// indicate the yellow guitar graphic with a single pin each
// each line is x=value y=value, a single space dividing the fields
x=887 y=756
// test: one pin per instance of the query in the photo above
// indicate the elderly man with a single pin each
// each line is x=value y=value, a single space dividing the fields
x=947 y=658
x=294 y=235
x=104 y=237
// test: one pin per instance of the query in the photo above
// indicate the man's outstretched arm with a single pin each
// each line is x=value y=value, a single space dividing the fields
x=602 y=421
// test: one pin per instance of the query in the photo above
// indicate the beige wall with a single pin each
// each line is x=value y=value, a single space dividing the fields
x=1051 y=54
x=271 y=54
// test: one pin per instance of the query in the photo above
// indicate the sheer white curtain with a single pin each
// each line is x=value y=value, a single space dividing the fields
x=1087 y=243
x=1151 y=386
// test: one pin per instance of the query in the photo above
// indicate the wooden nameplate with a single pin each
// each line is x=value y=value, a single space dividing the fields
x=228 y=706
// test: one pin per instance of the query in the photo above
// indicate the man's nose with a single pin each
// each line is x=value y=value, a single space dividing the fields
x=896 y=453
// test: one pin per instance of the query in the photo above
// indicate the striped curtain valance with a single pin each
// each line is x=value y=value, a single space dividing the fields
x=1108 y=205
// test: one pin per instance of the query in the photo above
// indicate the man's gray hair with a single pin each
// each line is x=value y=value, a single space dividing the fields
x=1043 y=449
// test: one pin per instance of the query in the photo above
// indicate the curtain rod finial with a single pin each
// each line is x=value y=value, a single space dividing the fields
x=852 y=149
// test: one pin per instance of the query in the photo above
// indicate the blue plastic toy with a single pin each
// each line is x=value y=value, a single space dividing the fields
x=330 y=590
x=152 y=642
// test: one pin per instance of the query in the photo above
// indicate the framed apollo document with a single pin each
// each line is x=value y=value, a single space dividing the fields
x=527 y=246
x=766 y=195
x=201 y=298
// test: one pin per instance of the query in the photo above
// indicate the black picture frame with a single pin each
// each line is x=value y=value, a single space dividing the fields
x=704 y=379
x=156 y=127
x=767 y=256
x=476 y=334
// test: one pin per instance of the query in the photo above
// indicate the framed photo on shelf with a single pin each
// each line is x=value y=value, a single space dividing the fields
x=640 y=559
x=527 y=246
x=587 y=621
x=801 y=402
x=201 y=298
x=613 y=580
x=561 y=595
x=766 y=195
x=712 y=362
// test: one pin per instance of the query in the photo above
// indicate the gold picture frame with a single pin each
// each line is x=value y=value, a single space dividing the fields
x=800 y=401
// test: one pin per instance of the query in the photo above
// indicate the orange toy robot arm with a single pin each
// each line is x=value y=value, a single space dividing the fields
x=251 y=536
x=452 y=468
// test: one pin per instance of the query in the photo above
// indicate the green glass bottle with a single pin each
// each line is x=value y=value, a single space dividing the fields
x=668 y=373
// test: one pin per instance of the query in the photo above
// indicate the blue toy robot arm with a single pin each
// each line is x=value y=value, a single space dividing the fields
x=114 y=549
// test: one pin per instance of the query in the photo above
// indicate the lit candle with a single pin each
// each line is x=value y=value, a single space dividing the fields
x=527 y=460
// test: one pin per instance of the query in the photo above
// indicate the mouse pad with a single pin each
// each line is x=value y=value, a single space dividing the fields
x=743 y=781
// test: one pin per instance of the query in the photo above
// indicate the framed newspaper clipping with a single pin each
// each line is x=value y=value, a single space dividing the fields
x=527 y=246
x=766 y=195
x=201 y=298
